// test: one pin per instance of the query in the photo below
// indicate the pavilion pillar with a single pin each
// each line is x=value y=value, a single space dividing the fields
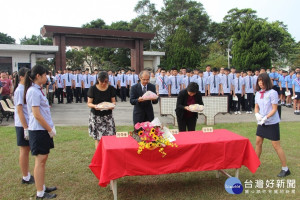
x=60 y=56
x=137 y=59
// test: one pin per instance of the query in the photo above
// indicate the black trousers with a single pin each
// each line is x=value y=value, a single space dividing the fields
x=60 y=95
x=249 y=101
x=85 y=91
x=69 y=94
x=77 y=92
x=123 y=93
x=237 y=104
x=189 y=123
x=229 y=101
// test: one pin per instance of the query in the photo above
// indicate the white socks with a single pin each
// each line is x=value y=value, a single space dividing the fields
x=41 y=193
x=285 y=168
x=27 y=178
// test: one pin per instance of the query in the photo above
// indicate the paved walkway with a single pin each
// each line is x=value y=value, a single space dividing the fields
x=76 y=114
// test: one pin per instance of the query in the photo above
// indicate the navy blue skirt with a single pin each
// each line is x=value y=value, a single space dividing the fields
x=40 y=142
x=270 y=132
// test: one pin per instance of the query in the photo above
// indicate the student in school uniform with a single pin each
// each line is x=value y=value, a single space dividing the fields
x=163 y=86
x=214 y=84
x=238 y=87
x=78 y=86
x=274 y=76
x=201 y=81
x=133 y=79
x=59 y=84
x=188 y=79
x=266 y=102
x=195 y=76
x=50 y=88
x=227 y=87
x=176 y=82
x=87 y=83
x=289 y=88
x=40 y=126
x=207 y=72
x=122 y=83
x=129 y=77
x=282 y=86
x=95 y=76
x=249 y=90
x=21 y=125
x=68 y=82
x=296 y=92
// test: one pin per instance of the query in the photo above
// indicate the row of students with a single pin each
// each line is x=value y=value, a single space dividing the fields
x=34 y=127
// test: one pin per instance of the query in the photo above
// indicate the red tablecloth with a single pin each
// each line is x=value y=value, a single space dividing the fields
x=196 y=151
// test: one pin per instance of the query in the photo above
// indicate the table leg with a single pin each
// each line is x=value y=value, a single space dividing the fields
x=113 y=186
x=237 y=173
x=217 y=174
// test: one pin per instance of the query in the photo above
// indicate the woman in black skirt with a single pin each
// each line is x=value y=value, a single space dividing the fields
x=101 y=122
x=266 y=100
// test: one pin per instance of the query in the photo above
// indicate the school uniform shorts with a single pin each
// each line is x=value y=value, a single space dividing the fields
x=20 y=137
x=40 y=142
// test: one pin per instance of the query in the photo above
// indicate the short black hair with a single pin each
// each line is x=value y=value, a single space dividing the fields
x=102 y=76
x=174 y=68
x=249 y=70
x=200 y=71
x=188 y=71
x=215 y=69
x=266 y=81
x=193 y=87
x=162 y=69
x=226 y=69
x=232 y=67
x=238 y=71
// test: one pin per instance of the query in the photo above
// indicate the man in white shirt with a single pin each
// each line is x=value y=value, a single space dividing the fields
x=122 y=82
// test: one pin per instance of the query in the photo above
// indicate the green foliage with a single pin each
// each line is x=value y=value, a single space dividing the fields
x=6 y=39
x=75 y=58
x=250 y=49
x=216 y=56
x=35 y=40
x=295 y=56
x=98 y=23
x=181 y=52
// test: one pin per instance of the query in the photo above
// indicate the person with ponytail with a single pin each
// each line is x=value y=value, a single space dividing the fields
x=21 y=125
x=40 y=126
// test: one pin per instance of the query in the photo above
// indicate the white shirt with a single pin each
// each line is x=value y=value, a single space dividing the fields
x=35 y=97
x=18 y=100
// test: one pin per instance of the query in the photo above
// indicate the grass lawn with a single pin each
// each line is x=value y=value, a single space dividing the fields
x=67 y=168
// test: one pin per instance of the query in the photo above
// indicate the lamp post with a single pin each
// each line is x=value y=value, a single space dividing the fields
x=228 y=51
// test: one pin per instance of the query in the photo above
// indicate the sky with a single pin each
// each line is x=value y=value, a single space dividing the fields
x=20 y=18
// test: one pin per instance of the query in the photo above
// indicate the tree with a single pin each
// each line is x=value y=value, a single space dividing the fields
x=181 y=51
x=98 y=23
x=295 y=56
x=280 y=41
x=187 y=13
x=250 y=49
x=75 y=58
x=6 y=39
x=36 y=40
x=216 y=56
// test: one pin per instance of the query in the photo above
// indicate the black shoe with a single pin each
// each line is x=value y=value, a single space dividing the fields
x=50 y=189
x=284 y=173
x=47 y=196
x=31 y=180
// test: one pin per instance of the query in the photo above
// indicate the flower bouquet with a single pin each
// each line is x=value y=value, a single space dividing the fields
x=150 y=135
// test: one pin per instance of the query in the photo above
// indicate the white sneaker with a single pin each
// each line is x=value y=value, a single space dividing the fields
x=250 y=112
x=235 y=112
x=247 y=112
x=239 y=112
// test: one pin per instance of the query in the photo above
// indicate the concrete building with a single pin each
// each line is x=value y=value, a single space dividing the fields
x=14 y=57
x=152 y=59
